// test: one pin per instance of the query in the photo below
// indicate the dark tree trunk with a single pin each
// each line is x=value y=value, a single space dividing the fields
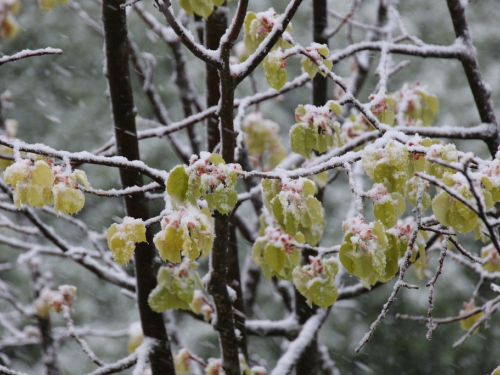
x=122 y=104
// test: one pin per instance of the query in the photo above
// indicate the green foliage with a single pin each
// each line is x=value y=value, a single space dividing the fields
x=262 y=139
x=175 y=288
x=316 y=281
x=451 y=212
x=314 y=128
x=123 y=237
x=274 y=67
x=203 y=8
x=207 y=177
x=188 y=230
x=320 y=53
x=274 y=251
x=387 y=165
x=41 y=184
x=370 y=252
x=294 y=206
x=258 y=26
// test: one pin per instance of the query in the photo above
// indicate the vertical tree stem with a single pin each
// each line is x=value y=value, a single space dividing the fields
x=308 y=362
x=122 y=104
x=480 y=90
x=219 y=256
x=215 y=27
x=320 y=23
x=44 y=325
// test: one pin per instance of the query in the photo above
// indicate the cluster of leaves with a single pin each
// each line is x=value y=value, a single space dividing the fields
x=54 y=300
x=316 y=281
x=319 y=52
x=188 y=230
x=294 y=206
x=175 y=288
x=123 y=237
x=371 y=252
x=262 y=139
x=275 y=251
x=8 y=23
x=207 y=177
x=41 y=183
x=314 y=128
x=410 y=106
x=257 y=28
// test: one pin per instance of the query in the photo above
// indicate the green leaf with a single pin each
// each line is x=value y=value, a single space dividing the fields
x=441 y=207
x=275 y=257
x=323 y=293
x=276 y=79
x=216 y=159
x=309 y=67
x=170 y=243
x=298 y=141
x=225 y=200
x=177 y=184
x=184 y=4
x=161 y=299
x=308 y=188
x=386 y=213
x=335 y=107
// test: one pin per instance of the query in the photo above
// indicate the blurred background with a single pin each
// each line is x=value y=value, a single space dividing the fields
x=61 y=101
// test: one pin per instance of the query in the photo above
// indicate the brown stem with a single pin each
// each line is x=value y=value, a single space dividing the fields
x=480 y=90
x=122 y=104
x=44 y=324
x=320 y=23
x=233 y=281
x=215 y=27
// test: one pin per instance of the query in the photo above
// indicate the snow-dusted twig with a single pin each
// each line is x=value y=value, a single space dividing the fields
x=200 y=116
x=112 y=368
x=489 y=308
x=86 y=157
x=354 y=23
x=148 y=343
x=402 y=269
x=8 y=371
x=481 y=208
x=128 y=3
x=283 y=327
x=122 y=192
x=453 y=51
x=243 y=69
x=73 y=5
x=464 y=252
x=29 y=53
x=208 y=56
x=356 y=192
x=452 y=192
x=431 y=284
x=327 y=364
x=481 y=91
x=83 y=344
x=297 y=346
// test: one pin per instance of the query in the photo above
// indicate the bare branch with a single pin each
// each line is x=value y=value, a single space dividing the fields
x=30 y=53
